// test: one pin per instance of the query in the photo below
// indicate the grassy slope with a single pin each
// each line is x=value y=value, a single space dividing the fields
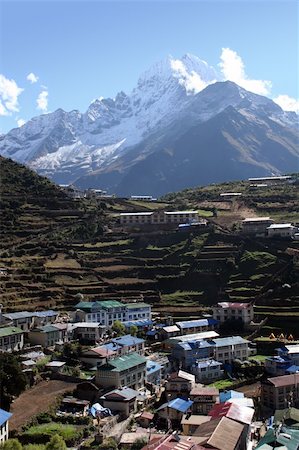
x=54 y=249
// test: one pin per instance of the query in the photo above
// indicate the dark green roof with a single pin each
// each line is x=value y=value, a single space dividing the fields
x=271 y=439
x=8 y=331
x=124 y=362
x=84 y=305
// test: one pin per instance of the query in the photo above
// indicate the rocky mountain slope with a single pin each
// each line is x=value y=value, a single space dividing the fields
x=179 y=127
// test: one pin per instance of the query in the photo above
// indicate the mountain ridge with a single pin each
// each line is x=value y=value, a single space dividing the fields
x=113 y=135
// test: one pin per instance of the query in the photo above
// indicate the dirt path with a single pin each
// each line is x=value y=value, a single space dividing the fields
x=36 y=400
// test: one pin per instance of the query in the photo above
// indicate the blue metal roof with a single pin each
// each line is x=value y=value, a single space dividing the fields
x=227 y=395
x=49 y=313
x=207 y=363
x=138 y=323
x=19 y=315
x=127 y=340
x=180 y=404
x=4 y=416
x=152 y=332
x=232 y=340
x=293 y=369
x=193 y=323
x=152 y=366
x=111 y=346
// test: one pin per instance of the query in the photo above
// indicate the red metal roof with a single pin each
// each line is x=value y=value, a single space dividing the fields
x=242 y=414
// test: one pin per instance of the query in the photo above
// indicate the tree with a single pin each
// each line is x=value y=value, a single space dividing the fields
x=119 y=328
x=11 y=444
x=56 y=443
x=139 y=444
x=133 y=330
x=12 y=379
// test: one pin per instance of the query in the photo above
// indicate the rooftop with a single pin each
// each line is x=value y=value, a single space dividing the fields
x=242 y=414
x=257 y=219
x=235 y=305
x=278 y=226
x=124 y=362
x=227 y=395
x=198 y=391
x=232 y=340
x=19 y=315
x=196 y=323
x=8 y=331
x=207 y=363
x=226 y=435
x=284 y=380
x=4 y=416
x=194 y=337
x=125 y=393
x=178 y=404
x=127 y=340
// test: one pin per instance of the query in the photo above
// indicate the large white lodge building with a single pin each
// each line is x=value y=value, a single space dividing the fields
x=158 y=217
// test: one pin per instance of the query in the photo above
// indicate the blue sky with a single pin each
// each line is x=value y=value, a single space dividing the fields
x=76 y=51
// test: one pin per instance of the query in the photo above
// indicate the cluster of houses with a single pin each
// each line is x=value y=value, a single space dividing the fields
x=265 y=226
x=166 y=389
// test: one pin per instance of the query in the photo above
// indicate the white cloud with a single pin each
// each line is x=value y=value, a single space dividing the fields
x=190 y=80
x=32 y=77
x=21 y=122
x=287 y=103
x=42 y=101
x=9 y=93
x=233 y=69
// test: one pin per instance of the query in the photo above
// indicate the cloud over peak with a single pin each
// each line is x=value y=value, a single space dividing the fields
x=9 y=93
x=42 y=101
x=32 y=78
x=233 y=69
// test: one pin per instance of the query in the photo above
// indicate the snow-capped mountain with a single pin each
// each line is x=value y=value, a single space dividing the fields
x=102 y=146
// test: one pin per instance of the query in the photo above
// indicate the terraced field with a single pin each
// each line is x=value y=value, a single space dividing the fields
x=56 y=250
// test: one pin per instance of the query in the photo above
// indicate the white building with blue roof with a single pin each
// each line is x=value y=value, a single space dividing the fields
x=207 y=371
x=4 y=419
x=27 y=320
x=198 y=325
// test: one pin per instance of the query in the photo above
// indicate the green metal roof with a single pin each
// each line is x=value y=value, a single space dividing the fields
x=137 y=305
x=8 y=331
x=84 y=305
x=287 y=415
x=124 y=362
x=107 y=304
x=290 y=443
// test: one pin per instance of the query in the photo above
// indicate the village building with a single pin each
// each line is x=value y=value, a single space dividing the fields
x=187 y=354
x=179 y=384
x=4 y=420
x=205 y=335
x=108 y=311
x=229 y=348
x=11 y=339
x=87 y=332
x=143 y=198
x=256 y=225
x=197 y=326
x=97 y=356
x=55 y=366
x=291 y=352
x=204 y=398
x=173 y=411
x=145 y=419
x=46 y=336
x=27 y=320
x=153 y=372
x=127 y=370
x=169 y=331
x=281 y=230
x=190 y=422
x=121 y=401
x=224 y=311
x=158 y=217
x=207 y=371
x=74 y=406
x=271 y=180
x=229 y=396
x=124 y=345
x=280 y=392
